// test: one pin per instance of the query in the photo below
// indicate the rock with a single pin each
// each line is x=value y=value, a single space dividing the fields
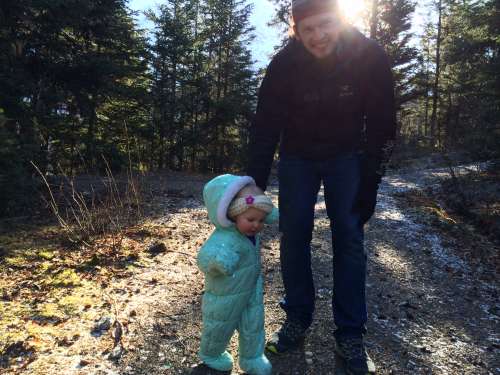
x=6 y=296
x=309 y=361
x=66 y=341
x=407 y=305
x=102 y=325
x=308 y=354
x=424 y=349
x=116 y=353
x=83 y=363
x=16 y=349
x=132 y=258
x=157 y=248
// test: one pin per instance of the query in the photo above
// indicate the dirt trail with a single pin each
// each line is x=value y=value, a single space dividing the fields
x=430 y=311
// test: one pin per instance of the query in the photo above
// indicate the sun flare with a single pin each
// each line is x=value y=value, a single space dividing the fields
x=353 y=10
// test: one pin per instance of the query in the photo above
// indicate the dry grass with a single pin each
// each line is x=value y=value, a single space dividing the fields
x=105 y=207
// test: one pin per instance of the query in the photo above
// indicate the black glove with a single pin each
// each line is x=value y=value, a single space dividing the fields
x=366 y=198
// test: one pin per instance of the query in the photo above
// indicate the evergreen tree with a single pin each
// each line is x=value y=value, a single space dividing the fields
x=458 y=79
x=61 y=63
x=390 y=24
x=470 y=107
x=204 y=91
x=172 y=51
x=230 y=76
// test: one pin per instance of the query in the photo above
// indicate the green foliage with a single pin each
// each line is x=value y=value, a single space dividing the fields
x=471 y=58
x=82 y=87
x=203 y=89
x=391 y=26
x=65 y=67
x=468 y=105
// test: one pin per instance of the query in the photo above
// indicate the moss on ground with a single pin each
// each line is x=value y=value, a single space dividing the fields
x=66 y=278
x=49 y=293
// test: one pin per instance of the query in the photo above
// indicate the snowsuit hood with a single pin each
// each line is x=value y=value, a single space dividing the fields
x=218 y=194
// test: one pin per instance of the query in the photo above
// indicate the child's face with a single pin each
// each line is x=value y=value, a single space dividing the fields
x=250 y=222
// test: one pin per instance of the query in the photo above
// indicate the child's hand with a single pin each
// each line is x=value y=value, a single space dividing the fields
x=217 y=260
x=216 y=268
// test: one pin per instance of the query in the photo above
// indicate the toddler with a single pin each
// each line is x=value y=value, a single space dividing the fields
x=230 y=260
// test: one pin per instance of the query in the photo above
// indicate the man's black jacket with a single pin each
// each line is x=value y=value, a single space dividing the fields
x=320 y=108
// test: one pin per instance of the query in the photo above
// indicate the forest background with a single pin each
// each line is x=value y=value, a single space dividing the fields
x=85 y=90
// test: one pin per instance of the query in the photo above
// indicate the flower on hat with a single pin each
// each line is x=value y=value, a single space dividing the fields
x=239 y=205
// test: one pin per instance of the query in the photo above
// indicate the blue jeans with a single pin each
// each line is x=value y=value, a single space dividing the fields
x=299 y=184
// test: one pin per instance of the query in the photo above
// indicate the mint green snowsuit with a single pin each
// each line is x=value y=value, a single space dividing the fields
x=233 y=298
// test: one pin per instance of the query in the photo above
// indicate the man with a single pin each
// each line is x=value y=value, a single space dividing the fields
x=327 y=98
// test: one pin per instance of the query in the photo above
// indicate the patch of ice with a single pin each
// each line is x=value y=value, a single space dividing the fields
x=401 y=185
x=444 y=257
x=416 y=234
x=493 y=338
x=388 y=214
x=399 y=336
x=488 y=311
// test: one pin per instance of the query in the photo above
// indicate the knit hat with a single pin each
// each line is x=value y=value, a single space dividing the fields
x=305 y=8
x=239 y=205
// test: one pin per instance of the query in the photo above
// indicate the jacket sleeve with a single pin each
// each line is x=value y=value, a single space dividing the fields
x=218 y=259
x=380 y=112
x=267 y=124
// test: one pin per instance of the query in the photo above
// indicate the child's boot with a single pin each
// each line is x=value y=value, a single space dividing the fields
x=256 y=366
x=222 y=362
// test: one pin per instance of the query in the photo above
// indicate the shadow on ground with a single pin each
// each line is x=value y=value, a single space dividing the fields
x=424 y=317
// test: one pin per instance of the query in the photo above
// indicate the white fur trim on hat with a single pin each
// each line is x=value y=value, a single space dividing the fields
x=228 y=196
x=240 y=205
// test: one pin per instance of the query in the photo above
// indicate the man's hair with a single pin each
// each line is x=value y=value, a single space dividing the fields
x=304 y=8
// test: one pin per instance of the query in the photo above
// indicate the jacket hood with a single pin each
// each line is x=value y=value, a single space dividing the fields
x=218 y=194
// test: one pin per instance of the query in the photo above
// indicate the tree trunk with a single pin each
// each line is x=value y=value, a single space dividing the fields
x=374 y=20
x=436 y=77
x=90 y=146
x=173 y=103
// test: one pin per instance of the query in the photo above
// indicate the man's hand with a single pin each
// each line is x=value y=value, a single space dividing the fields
x=366 y=200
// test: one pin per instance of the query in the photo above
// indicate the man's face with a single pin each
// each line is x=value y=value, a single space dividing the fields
x=319 y=33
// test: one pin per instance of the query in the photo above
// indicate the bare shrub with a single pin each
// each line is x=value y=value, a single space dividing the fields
x=90 y=207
